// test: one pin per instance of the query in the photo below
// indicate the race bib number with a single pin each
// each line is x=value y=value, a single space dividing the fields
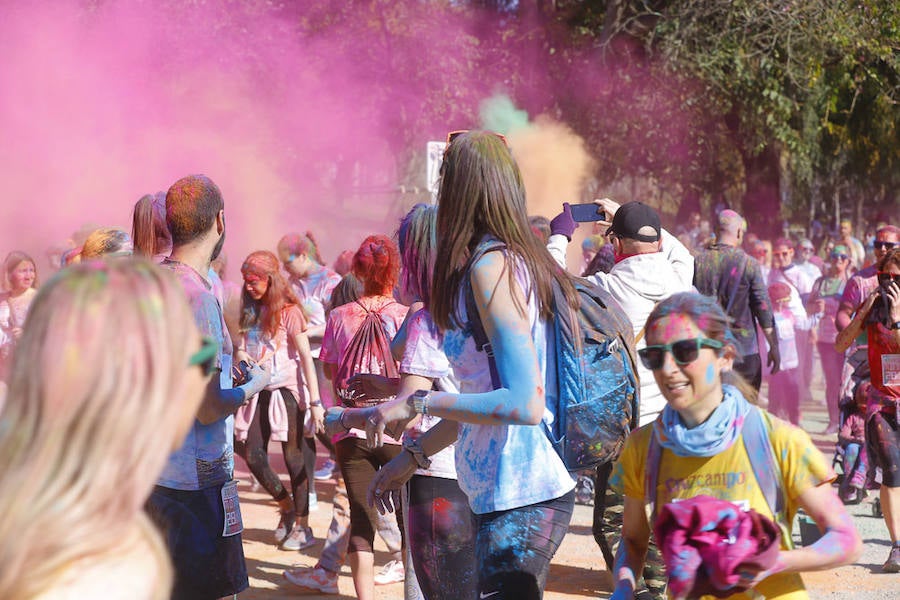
x=890 y=370
x=233 y=523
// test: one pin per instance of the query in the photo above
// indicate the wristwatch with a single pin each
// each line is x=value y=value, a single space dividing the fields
x=419 y=401
x=412 y=446
x=894 y=325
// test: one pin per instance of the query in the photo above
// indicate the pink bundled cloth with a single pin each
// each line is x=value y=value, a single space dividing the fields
x=707 y=543
x=278 y=418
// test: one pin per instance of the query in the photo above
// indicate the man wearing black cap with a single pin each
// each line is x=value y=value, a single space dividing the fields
x=650 y=265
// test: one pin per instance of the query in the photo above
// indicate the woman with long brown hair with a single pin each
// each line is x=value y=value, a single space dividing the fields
x=273 y=335
x=517 y=485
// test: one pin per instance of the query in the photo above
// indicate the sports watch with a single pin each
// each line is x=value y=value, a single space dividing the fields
x=412 y=446
x=419 y=401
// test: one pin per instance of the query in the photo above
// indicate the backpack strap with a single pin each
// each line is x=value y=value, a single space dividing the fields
x=482 y=343
x=651 y=475
x=766 y=469
x=761 y=455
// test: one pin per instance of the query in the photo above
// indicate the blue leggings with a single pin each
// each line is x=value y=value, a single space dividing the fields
x=513 y=548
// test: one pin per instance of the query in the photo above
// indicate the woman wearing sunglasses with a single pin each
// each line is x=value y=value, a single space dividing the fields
x=826 y=296
x=107 y=378
x=517 y=486
x=879 y=315
x=702 y=452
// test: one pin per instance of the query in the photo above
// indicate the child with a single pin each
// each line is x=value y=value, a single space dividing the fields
x=852 y=438
x=784 y=392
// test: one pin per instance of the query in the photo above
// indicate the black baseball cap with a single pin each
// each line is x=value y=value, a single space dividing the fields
x=631 y=218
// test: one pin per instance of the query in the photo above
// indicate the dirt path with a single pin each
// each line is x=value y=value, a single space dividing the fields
x=577 y=570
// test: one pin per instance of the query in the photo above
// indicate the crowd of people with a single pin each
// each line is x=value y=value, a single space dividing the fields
x=434 y=441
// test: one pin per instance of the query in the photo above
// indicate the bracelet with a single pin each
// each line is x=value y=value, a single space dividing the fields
x=341 y=420
x=314 y=403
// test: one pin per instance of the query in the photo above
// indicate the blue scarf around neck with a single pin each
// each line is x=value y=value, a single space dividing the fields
x=711 y=437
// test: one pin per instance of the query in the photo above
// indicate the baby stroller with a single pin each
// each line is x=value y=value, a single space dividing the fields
x=850 y=452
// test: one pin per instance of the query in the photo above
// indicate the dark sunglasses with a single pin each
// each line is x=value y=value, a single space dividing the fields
x=455 y=134
x=205 y=357
x=886 y=278
x=883 y=245
x=683 y=351
x=839 y=256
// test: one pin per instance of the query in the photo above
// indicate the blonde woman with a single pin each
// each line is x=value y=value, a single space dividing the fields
x=88 y=423
x=107 y=241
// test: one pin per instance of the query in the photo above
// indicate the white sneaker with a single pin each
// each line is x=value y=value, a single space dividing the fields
x=326 y=472
x=314 y=579
x=392 y=572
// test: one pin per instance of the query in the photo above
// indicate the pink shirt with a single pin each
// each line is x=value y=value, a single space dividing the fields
x=341 y=326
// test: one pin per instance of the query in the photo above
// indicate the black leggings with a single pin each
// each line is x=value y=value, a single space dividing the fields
x=358 y=466
x=513 y=548
x=441 y=537
x=299 y=451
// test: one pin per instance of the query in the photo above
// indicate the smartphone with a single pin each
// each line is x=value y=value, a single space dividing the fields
x=243 y=370
x=587 y=213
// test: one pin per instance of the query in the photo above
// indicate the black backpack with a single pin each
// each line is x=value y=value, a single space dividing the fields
x=595 y=368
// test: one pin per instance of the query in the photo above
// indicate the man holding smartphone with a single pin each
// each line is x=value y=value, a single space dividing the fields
x=651 y=265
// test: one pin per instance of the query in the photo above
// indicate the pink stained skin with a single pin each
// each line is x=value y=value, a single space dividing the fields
x=693 y=390
x=256 y=286
x=22 y=277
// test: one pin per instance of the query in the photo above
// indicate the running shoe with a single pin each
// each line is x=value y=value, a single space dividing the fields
x=285 y=525
x=584 y=490
x=392 y=572
x=891 y=566
x=316 y=578
x=326 y=471
x=299 y=539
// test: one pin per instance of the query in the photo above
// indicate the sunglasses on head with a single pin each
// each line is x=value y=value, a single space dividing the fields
x=683 y=351
x=455 y=134
x=884 y=245
x=205 y=357
x=886 y=278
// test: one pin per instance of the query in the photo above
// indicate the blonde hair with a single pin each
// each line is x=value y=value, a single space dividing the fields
x=107 y=241
x=89 y=418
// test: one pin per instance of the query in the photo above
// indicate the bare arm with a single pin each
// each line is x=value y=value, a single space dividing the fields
x=301 y=343
x=856 y=324
x=840 y=544
x=520 y=400
x=218 y=402
x=632 y=552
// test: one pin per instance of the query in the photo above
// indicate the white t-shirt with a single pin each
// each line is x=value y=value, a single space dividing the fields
x=501 y=467
x=424 y=356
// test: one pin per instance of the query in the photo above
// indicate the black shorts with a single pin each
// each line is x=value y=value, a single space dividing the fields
x=207 y=565
x=883 y=444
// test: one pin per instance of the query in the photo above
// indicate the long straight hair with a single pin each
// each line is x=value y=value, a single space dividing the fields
x=149 y=231
x=481 y=193
x=417 y=239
